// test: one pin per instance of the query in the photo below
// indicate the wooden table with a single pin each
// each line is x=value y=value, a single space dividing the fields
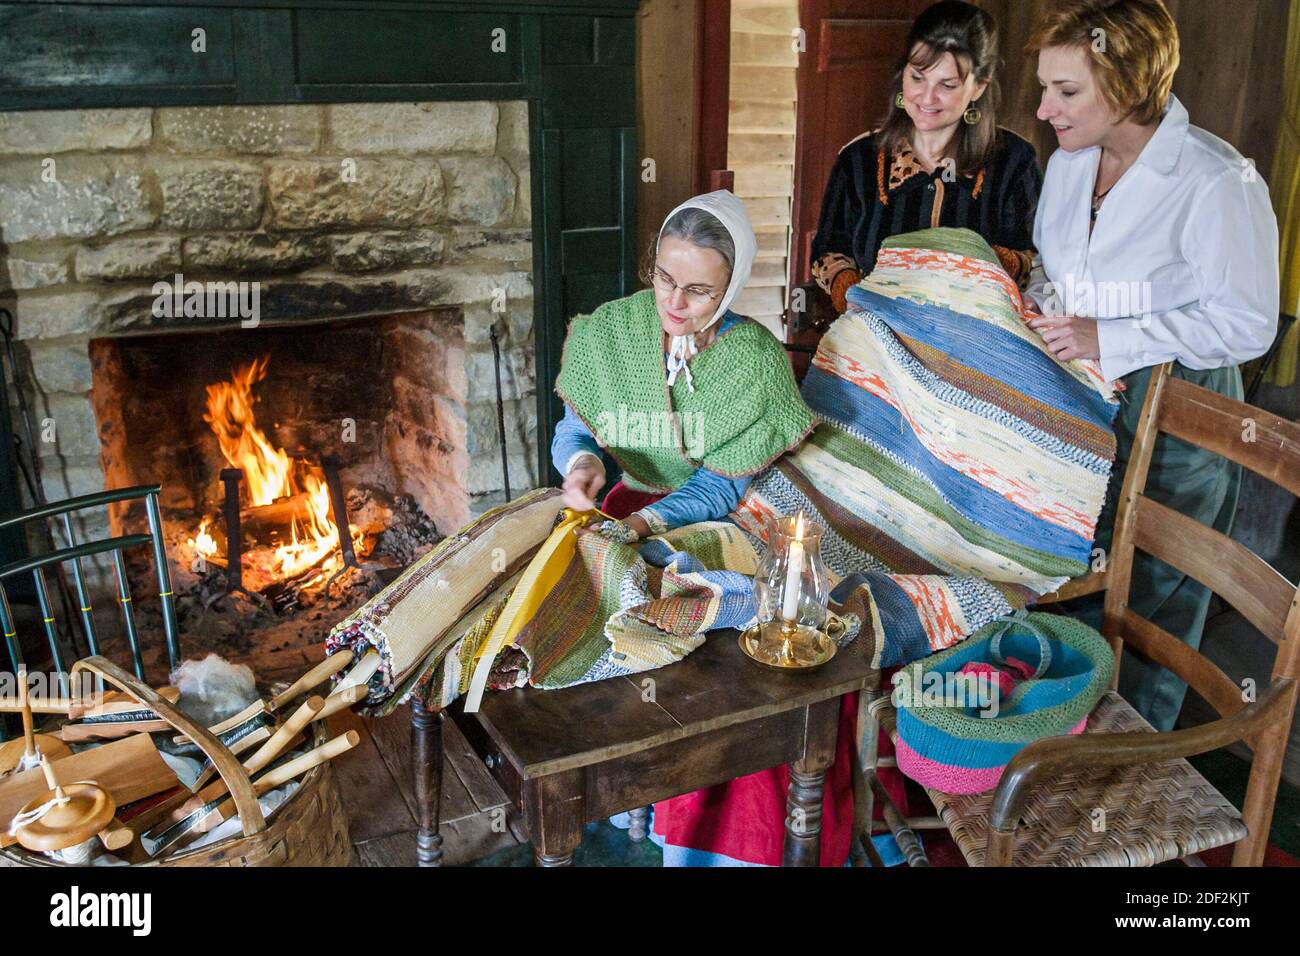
x=567 y=757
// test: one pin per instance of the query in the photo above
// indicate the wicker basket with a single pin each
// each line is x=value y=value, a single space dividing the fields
x=310 y=827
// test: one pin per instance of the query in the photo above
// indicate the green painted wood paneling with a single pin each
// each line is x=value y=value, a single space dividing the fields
x=615 y=41
x=601 y=97
x=568 y=40
x=589 y=244
x=382 y=47
x=65 y=45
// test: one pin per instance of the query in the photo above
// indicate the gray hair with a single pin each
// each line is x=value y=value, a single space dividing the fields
x=701 y=228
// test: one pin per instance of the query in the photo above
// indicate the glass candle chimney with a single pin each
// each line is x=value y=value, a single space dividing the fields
x=791 y=593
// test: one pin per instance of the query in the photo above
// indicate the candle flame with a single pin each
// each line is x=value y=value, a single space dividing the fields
x=798 y=527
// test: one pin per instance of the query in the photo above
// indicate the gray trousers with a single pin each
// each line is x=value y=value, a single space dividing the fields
x=1196 y=483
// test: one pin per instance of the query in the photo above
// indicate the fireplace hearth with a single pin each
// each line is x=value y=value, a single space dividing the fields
x=263 y=441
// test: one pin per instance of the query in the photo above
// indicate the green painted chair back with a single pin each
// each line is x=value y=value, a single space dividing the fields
x=72 y=554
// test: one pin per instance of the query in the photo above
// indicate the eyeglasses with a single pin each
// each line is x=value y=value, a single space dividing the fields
x=695 y=294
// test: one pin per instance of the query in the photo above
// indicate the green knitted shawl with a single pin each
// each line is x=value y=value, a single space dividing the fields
x=744 y=413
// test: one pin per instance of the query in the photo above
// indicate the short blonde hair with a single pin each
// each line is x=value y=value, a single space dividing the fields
x=1131 y=44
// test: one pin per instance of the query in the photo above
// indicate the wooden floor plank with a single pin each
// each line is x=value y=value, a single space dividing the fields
x=397 y=849
x=463 y=841
x=482 y=786
x=392 y=736
x=372 y=798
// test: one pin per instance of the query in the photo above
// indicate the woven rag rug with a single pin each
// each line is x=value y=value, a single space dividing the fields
x=616 y=608
x=958 y=467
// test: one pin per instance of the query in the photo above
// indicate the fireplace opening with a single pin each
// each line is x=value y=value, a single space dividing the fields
x=263 y=439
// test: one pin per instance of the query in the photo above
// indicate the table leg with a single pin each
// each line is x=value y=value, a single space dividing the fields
x=558 y=859
x=553 y=811
x=426 y=736
x=803 y=822
x=639 y=819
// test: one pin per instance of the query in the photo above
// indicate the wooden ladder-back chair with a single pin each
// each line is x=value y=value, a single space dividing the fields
x=72 y=554
x=1120 y=794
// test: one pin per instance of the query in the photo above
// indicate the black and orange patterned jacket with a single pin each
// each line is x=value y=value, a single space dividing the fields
x=869 y=198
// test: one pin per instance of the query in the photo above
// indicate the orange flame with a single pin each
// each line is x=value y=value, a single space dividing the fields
x=269 y=472
x=202 y=542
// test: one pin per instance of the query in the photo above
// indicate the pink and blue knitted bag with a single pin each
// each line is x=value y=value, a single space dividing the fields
x=965 y=712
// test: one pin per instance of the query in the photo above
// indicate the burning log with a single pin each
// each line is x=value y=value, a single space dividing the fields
x=260 y=522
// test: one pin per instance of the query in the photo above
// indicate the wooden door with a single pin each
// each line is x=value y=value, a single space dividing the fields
x=844 y=80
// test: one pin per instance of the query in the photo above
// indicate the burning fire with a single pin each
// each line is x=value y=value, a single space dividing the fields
x=269 y=473
x=202 y=542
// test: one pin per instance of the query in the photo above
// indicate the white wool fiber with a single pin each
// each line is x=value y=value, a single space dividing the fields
x=213 y=689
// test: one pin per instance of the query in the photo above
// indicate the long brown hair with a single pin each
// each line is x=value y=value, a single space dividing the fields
x=971 y=36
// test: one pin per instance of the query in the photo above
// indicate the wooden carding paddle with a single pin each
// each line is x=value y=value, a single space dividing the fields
x=75 y=708
x=211 y=814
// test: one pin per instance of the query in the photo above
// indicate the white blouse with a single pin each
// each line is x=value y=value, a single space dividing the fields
x=1182 y=262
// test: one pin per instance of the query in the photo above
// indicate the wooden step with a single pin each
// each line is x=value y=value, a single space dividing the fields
x=759 y=300
x=767 y=272
x=753 y=49
x=768 y=212
x=760 y=148
x=753 y=179
x=763 y=83
x=760 y=117
x=773 y=17
x=772 y=242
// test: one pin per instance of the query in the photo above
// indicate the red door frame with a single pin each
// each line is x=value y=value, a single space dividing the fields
x=713 y=94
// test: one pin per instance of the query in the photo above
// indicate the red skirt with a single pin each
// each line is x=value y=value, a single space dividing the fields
x=621 y=501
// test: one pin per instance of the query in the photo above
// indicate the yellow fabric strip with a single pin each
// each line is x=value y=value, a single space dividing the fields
x=540 y=577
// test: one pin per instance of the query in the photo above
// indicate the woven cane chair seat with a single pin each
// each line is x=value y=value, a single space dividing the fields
x=1152 y=812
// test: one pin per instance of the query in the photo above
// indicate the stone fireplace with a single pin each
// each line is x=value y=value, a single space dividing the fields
x=398 y=186
x=381 y=244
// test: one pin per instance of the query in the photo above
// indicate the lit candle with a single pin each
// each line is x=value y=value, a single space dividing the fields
x=793 y=570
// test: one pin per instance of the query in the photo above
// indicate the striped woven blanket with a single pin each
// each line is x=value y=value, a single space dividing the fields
x=958 y=467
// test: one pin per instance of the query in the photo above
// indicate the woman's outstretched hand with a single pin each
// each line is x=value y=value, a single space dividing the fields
x=1068 y=336
x=583 y=483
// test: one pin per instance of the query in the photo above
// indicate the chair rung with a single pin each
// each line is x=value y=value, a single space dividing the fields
x=926 y=823
x=94 y=499
x=79 y=551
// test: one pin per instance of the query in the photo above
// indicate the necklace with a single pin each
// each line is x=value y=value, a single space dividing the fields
x=1097 y=197
x=1096 y=202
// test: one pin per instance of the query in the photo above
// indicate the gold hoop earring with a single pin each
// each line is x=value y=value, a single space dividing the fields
x=971 y=116
x=898 y=100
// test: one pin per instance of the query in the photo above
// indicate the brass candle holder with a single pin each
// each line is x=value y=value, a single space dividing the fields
x=791 y=593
